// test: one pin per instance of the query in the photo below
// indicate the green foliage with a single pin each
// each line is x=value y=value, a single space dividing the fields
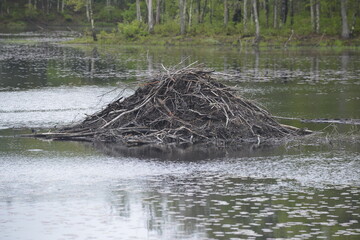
x=19 y=25
x=16 y=15
x=129 y=14
x=76 y=4
x=67 y=17
x=133 y=30
x=169 y=28
x=331 y=25
x=206 y=29
x=31 y=12
x=109 y=14
x=172 y=10
x=302 y=25
x=217 y=28
x=51 y=17
x=211 y=41
x=338 y=43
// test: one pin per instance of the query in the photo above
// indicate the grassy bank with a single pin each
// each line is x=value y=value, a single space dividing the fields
x=214 y=34
x=241 y=40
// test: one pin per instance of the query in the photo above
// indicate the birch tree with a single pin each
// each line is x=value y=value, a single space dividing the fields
x=89 y=3
x=182 y=16
x=312 y=15
x=256 y=19
x=150 y=16
x=345 y=32
x=317 y=16
x=245 y=15
x=138 y=11
x=190 y=12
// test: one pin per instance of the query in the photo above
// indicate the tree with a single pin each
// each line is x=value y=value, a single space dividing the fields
x=284 y=11
x=89 y=3
x=138 y=11
x=190 y=13
x=158 y=11
x=78 y=4
x=211 y=9
x=150 y=16
x=267 y=10
x=245 y=15
x=237 y=16
x=345 y=32
x=1 y=9
x=202 y=10
x=198 y=10
x=87 y=12
x=312 y=15
x=226 y=13
x=291 y=13
x=275 y=14
x=317 y=16
x=269 y=13
x=182 y=16
x=256 y=19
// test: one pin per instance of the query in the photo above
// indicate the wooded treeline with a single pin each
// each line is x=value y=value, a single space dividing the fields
x=246 y=17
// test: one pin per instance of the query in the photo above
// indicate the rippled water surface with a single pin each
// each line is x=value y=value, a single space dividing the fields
x=74 y=190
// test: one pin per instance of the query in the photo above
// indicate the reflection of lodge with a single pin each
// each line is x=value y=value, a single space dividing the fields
x=187 y=152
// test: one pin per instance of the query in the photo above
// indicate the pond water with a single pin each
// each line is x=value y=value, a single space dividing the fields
x=74 y=190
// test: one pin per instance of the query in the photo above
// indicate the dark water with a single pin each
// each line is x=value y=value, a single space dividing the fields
x=70 y=190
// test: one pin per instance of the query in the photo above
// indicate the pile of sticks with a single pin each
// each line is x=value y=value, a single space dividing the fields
x=182 y=106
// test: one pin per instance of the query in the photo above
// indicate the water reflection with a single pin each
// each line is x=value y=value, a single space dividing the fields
x=41 y=65
x=67 y=190
x=188 y=153
x=218 y=207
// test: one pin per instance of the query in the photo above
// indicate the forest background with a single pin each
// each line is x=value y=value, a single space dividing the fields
x=175 y=22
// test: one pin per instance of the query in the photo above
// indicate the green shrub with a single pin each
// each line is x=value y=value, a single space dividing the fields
x=133 y=30
x=129 y=14
x=170 y=28
x=106 y=36
x=67 y=17
x=208 y=29
x=338 y=43
x=51 y=17
x=210 y=41
x=302 y=25
x=17 y=25
x=31 y=13
x=16 y=14
x=110 y=14
x=330 y=26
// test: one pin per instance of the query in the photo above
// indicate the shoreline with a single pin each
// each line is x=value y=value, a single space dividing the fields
x=222 y=40
x=111 y=36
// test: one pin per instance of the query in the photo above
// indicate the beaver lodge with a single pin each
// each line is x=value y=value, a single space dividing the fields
x=182 y=106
